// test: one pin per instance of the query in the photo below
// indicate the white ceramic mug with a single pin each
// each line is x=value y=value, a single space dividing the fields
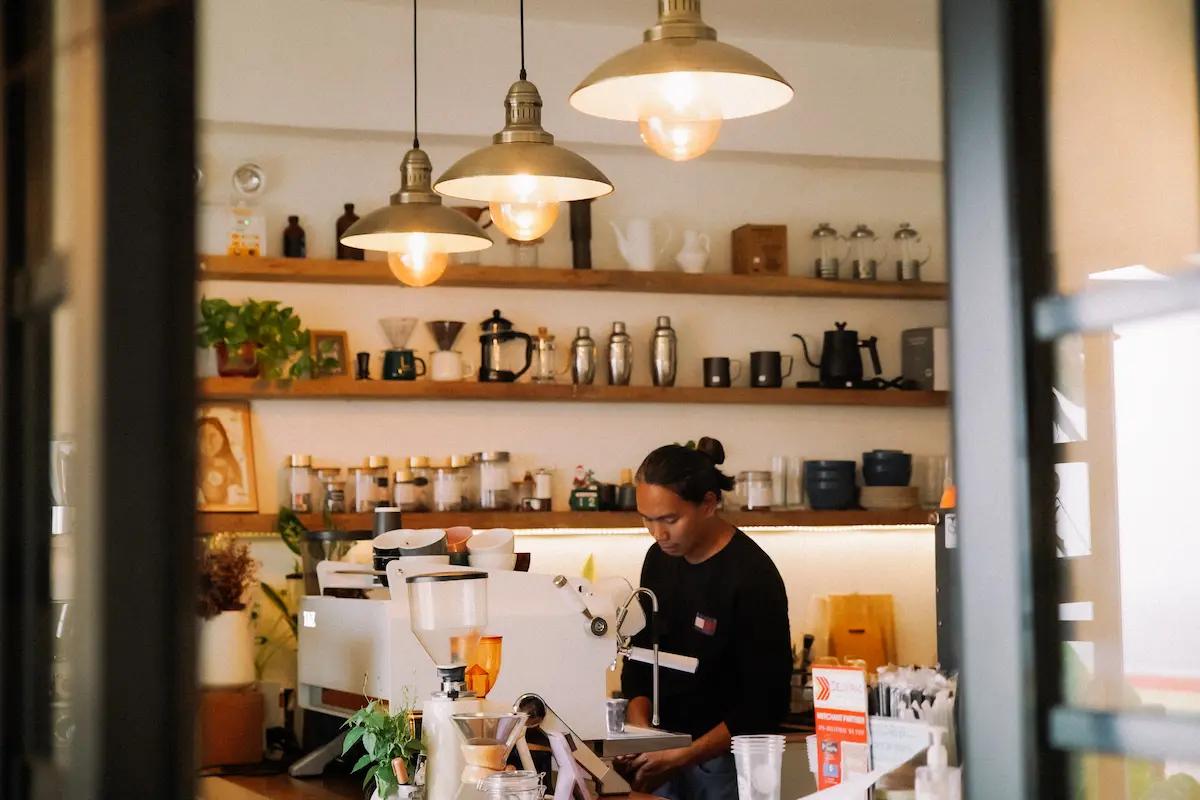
x=448 y=365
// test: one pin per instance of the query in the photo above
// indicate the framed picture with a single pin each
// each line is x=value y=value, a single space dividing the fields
x=225 y=452
x=330 y=344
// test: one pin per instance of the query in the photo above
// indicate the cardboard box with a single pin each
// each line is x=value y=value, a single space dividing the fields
x=760 y=250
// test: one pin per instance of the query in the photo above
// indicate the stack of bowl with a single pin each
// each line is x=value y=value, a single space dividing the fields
x=492 y=549
x=418 y=550
x=886 y=475
x=830 y=485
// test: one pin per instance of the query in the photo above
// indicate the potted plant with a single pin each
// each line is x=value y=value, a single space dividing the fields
x=392 y=748
x=257 y=337
x=226 y=572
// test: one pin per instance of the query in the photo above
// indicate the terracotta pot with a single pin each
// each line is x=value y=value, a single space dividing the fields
x=226 y=658
x=240 y=364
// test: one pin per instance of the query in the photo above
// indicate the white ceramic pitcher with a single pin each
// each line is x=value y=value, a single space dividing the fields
x=693 y=256
x=636 y=244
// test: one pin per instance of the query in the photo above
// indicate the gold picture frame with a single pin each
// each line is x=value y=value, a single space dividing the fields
x=339 y=350
x=225 y=477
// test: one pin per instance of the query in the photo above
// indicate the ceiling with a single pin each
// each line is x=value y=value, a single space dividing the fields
x=890 y=23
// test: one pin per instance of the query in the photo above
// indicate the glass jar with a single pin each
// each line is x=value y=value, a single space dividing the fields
x=462 y=463
x=518 y=785
x=755 y=490
x=333 y=489
x=471 y=482
x=495 y=493
x=422 y=482
x=404 y=490
x=381 y=477
x=364 y=488
x=447 y=485
x=300 y=483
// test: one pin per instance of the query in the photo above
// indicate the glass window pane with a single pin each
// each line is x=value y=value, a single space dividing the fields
x=1106 y=777
x=1128 y=539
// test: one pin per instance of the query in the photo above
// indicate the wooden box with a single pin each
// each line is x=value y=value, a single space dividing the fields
x=760 y=250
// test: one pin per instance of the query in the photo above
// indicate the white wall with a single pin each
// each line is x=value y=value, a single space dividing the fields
x=297 y=87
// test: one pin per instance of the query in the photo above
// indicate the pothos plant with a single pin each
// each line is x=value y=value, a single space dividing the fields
x=281 y=346
x=385 y=737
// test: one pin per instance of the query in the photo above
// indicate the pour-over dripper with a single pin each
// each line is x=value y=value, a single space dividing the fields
x=397 y=330
x=487 y=738
x=445 y=332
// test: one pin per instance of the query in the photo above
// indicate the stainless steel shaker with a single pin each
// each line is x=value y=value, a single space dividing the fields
x=620 y=356
x=583 y=357
x=663 y=358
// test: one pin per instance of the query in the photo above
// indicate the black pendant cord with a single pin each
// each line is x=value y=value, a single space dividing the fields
x=522 y=39
x=416 y=140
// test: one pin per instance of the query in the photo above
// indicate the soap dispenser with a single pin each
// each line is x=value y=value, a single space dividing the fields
x=937 y=780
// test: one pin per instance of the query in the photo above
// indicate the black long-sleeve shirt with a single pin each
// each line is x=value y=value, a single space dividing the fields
x=731 y=613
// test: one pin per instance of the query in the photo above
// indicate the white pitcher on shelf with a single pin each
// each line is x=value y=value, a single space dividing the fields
x=636 y=244
x=693 y=256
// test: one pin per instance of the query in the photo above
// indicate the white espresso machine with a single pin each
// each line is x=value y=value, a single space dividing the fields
x=561 y=636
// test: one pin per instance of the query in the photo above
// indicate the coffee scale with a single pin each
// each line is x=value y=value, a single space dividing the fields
x=560 y=638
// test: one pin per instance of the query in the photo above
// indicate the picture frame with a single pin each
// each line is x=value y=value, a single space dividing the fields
x=338 y=349
x=225 y=477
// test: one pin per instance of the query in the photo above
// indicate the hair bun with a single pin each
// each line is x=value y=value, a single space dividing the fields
x=711 y=448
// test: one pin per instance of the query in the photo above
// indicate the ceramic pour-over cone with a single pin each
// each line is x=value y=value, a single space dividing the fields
x=488 y=738
x=445 y=332
x=398 y=329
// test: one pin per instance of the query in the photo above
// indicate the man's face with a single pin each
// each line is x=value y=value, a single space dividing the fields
x=672 y=521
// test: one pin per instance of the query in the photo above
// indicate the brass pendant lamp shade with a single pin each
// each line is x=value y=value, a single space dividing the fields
x=680 y=82
x=523 y=175
x=523 y=164
x=416 y=211
x=415 y=229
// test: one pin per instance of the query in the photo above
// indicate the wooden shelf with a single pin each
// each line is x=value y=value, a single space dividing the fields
x=339 y=388
x=315 y=270
x=220 y=522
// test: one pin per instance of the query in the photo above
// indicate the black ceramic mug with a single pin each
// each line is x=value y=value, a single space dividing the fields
x=401 y=365
x=766 y=369
x=717 y=371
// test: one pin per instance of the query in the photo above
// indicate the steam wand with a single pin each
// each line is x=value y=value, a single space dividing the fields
x=625 y=643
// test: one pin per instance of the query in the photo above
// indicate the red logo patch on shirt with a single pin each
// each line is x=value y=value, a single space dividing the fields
x=706 y=625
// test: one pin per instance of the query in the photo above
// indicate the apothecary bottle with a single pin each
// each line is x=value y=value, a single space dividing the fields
x=295 y=243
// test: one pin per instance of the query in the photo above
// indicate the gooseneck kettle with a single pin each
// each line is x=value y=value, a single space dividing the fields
x=498 y=356
x=841 y=364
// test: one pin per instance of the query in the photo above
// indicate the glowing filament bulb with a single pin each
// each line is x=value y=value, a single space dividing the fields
x=525 y=214
x=419 y=264
x=678 y=124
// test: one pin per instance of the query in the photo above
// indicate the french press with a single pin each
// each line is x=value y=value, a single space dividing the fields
x=910 y=252
x=865 y=253
x=498 y=350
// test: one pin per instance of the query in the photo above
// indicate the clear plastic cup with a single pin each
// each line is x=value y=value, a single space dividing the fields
x=759 y=761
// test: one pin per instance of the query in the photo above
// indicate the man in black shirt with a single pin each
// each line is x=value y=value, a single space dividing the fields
x=721 y=600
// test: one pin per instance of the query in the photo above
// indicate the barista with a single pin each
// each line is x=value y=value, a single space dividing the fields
x=721 y=600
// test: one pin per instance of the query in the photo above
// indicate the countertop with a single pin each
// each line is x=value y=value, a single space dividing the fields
x=282 y=787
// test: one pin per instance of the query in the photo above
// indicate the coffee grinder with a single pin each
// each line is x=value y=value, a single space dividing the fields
x=447 y=612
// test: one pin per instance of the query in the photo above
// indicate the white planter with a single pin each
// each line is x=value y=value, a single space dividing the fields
x=226 y=659
x=402 y=793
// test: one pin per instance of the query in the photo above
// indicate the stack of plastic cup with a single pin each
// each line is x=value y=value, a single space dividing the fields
x=759 y=761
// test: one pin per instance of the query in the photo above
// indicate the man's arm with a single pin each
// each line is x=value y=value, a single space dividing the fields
x=651 y=770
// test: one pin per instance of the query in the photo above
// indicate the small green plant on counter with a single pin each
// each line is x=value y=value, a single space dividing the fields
x=385 y=736
x=280 y=344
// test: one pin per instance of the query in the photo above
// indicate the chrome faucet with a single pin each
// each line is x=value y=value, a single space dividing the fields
x=625 y=643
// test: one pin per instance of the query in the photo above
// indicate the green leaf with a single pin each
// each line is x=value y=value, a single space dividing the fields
x=277 y=601
x=352 y=739
x=362 y=762
x=370 y=739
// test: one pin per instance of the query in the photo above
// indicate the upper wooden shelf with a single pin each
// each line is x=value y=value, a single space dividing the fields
x=317 y=270
x=335 y=388
x=231 y=522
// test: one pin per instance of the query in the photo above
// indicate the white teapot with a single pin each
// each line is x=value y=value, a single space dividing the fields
x=693 y=256
x=636 y=244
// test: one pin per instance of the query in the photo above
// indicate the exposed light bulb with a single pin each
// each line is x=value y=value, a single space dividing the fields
x=524 y=222
x=678 y=124
x=420 y=264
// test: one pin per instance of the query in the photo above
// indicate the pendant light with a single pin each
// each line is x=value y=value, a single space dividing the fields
x=523 y=175
x=680 y=83
x=416 y=230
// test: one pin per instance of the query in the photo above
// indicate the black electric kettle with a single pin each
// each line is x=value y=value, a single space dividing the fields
x=841 y=364
x=494 y=360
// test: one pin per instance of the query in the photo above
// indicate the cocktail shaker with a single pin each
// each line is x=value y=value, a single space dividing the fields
x=583 y=357
x=620 y=356
x=663 y=359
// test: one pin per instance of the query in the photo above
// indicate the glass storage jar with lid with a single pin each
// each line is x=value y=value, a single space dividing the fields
x=405 y=490
x=333 y=489
x=300 y=483
x=755 y=489
x=518 y=785
x=471 y=482
x=422 y=482
x=495 y=488
x=364 y=487
x=382 y=479
x=448 y=481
